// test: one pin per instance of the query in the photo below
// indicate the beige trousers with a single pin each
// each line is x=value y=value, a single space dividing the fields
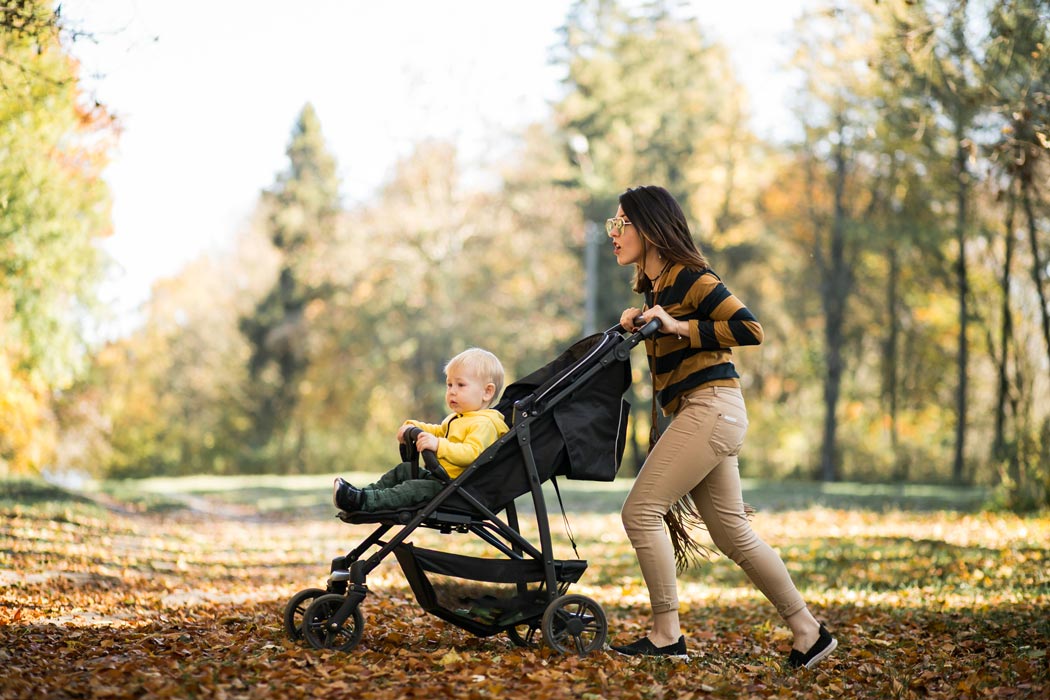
x=697 y=455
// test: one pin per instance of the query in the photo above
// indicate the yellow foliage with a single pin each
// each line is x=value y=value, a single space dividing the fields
x=27 y=436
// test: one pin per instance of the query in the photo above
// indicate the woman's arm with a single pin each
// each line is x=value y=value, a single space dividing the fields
x=719 y=320
x=708 y=315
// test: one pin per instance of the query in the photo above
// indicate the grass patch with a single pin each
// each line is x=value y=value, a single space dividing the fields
x=29 y=491
x=20 y=494
x=800 y=495
x=311 y=494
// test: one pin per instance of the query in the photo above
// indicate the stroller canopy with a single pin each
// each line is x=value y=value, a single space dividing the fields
x=591 y=420
x=577 y=424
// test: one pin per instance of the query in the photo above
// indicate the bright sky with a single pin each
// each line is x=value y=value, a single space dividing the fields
x=207 y=92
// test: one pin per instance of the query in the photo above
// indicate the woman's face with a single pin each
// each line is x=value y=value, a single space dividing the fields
x=627 y=242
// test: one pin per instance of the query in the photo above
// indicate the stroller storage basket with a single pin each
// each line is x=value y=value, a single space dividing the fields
x=483 y=596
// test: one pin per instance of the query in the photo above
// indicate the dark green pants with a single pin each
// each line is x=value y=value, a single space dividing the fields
x=397 y=489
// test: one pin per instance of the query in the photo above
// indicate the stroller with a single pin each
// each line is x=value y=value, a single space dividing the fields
x=567 y=418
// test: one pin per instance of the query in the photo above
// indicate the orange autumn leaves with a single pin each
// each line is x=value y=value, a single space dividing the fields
x=100 y=603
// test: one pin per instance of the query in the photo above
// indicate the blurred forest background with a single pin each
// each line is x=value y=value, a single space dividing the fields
x=897 y=254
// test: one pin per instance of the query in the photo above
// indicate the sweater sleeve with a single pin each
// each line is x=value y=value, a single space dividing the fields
x=432 y=428
x=719 y=319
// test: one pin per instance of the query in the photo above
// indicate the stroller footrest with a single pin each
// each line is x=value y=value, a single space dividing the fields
x=402 y=517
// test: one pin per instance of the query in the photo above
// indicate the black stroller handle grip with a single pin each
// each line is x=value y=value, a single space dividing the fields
x=649 y=329
x=430 y=460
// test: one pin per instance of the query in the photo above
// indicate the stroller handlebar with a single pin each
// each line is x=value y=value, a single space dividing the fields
x=646 y=331
x=623 y=351
x=430 y=460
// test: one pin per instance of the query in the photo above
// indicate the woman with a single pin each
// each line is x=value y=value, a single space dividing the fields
x=694 y=381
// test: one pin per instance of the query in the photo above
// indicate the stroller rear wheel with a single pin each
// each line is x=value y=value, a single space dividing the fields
x=294 y=610
x=321 y=635
x=574 y=624
x=524 y=634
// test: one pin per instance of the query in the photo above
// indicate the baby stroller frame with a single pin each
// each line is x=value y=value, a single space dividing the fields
x=595 y=372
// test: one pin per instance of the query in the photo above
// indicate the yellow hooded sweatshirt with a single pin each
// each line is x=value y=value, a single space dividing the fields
x=464 y=436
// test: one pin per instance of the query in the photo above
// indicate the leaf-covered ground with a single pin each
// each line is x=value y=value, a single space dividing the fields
x=125 y=598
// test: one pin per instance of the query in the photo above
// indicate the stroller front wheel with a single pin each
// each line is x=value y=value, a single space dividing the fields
x=294 y=610
x=574 y=624
x=320 y=634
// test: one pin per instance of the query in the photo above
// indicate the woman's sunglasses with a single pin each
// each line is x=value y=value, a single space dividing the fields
x=616 y=224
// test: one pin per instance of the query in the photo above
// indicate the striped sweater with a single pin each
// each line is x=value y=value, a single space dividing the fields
x=717 y=321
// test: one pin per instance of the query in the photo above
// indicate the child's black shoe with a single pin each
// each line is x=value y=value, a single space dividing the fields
x=346 y=496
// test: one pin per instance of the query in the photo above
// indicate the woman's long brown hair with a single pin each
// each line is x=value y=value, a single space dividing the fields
x=660 y=221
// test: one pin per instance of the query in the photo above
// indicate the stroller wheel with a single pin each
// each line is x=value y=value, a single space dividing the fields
x=293 y=611
x=524 y=634
x=320 y=635
x=574 y=624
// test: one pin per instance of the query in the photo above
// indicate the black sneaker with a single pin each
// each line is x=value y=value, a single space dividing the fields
x=643 y=647
x=346 y=496
x=820 y=650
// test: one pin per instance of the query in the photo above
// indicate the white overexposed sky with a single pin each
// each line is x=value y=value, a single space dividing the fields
x=207 y=92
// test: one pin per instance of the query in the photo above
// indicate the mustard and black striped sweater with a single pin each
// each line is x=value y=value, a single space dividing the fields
x=717 y=321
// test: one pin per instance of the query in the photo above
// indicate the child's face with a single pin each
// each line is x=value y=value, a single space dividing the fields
x=464 y=392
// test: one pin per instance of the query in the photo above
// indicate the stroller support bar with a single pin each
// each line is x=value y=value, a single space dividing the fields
x=353 y=598
x=542 y=523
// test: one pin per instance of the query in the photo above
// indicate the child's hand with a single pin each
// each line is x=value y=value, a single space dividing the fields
x=401 y=432
x=426 y=441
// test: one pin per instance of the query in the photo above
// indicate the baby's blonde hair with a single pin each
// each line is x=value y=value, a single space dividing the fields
x=481 y=364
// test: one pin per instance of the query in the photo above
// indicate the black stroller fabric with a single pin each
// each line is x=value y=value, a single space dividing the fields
x=465 y=590
x=581 y=436
x=487 y=569
x=593 y=421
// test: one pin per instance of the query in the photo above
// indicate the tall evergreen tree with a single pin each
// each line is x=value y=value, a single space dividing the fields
x=303 y=212
x=649 y=100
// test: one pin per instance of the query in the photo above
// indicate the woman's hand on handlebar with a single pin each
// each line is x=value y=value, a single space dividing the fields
x=628 y=317
x=666 y=322
x=633 y=318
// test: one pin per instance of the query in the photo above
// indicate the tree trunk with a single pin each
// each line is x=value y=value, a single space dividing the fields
x=1005 y=334
x=889 y=372
x=1038 y=264
x=962 y=197
x=835 y=289
x=299 y=463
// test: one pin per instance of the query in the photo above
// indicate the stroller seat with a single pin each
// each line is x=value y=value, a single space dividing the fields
x=442 y=519
x=455 y=512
